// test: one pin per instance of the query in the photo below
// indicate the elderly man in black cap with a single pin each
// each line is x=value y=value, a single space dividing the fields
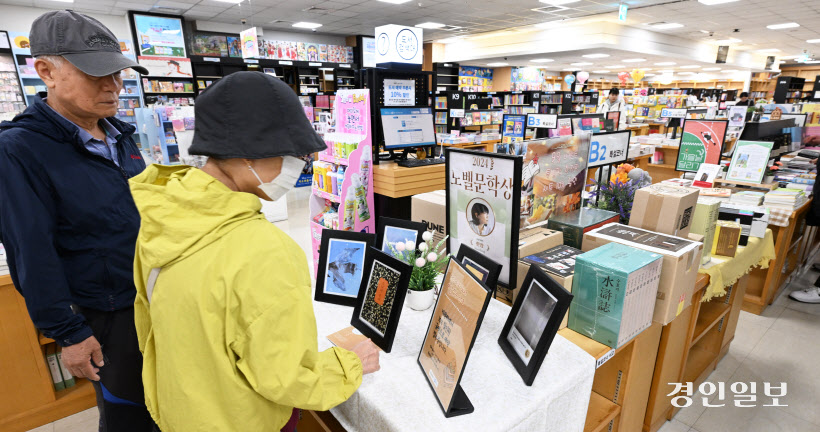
x=67 y=217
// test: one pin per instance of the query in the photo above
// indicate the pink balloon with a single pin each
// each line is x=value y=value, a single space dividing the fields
x=582 y=77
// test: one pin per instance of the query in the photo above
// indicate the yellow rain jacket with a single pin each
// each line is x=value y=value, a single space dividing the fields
x=228 y=332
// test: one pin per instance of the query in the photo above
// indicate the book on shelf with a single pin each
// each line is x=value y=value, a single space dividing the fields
x=441 y=102
x=68 y=379
x=179 y=87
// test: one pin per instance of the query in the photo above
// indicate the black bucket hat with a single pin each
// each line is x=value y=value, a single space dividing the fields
x=252 y=115
x=82 y=40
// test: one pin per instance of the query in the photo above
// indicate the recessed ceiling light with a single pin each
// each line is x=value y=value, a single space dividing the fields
x=306 y=25
x=705 y=31
x=595 y=55
x=394 y=1
x=430 y=25
x=665 y=64
x=768 y=50
x=711 y=69
x=581 y=64
x=600 y=71
x=727 y=41
x=543 y=60
x=665 y=25
x=558 y=2
x=690 y=67
x=686 y=73
x=813 y=41
x=715 y=2
x=497 y=64
x=782 y=26
x=729 y=70
x=569 y=69
x=635 y=60
x=615 y=67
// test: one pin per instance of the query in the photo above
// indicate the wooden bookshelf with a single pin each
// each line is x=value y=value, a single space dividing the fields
x=30 y=400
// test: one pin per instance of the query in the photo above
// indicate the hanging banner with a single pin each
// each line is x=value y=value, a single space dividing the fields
x=352 y=112
x=609 y=148
x=250 y=43
x=399 y=92
x=701 y=142
x=749 y=161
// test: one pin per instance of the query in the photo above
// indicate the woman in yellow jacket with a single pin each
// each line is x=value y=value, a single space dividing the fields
x=223 y=310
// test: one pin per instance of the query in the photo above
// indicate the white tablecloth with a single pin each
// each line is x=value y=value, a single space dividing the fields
x=398 y=397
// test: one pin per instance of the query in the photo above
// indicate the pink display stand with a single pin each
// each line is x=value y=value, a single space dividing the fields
x=356 y=212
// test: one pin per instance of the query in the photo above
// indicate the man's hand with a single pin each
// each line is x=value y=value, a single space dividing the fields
x=368 y=353
x=77 y=359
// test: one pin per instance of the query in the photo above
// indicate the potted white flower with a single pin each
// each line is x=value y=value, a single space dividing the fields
x=428 y=263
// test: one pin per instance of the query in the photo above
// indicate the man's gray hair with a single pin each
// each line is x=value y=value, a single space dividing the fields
x=56 y=60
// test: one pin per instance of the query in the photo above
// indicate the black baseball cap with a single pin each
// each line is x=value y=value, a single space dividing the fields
x=82 y=40
x=252 y=115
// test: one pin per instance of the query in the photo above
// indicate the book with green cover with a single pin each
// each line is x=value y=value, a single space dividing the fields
x=54 y=368
x=68 y=379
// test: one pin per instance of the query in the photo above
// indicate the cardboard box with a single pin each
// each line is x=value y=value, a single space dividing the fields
x=575 y=224
x=681 y=260
x=753 y=220
x=531 y=240
x=615 y=288
x=557 y=262
x=703 y=223
x=431 y=209
x=727 y=238
x=664 y=208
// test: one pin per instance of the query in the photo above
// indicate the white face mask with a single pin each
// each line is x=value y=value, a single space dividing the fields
x=277 y=188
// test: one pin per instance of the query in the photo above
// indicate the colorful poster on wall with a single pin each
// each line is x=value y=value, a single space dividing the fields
x=211 y=46
x=234 y=46
x=250 y=44
x=159 y=36
x=312 y=52
x=352 y=111
x=554 y=176
x=701 y=142
x=301 y=51
x=167 y=67
x=322 y=52
x=483 y=198
x=475 y=79
x=525 y=78
x=749 y=161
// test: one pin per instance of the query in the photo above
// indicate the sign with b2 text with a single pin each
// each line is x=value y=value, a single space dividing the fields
x=399 y=92
x=609 y=148
x=398 y=44
x=544 y=121
x=673 y=113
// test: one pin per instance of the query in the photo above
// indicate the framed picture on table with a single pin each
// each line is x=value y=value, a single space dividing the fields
x=391 y=232
x=533 y=322
x=341 y=266
x=701 y=142
x=482 y=268
x=381 y=297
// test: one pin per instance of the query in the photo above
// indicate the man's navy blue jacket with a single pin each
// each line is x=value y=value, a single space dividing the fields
x=68 y=221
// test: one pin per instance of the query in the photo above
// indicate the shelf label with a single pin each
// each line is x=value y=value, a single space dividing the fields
x=315 y=64
x=605 y=358
x=249 y=61
x=212 y=59
x=286 y=63
x=673 y=113
x=544 y=121
x=344 y=66
x=457 y=113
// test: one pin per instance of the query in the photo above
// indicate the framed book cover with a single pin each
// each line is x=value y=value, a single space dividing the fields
x=341 y=266
x=381 y=297
x=482 y=268
x=701 y=142
x=533 y=322
x=391 y=232
x=483 y=206
x=450 y=337
x=749 y=161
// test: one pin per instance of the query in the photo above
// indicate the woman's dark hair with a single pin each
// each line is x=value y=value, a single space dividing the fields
x=478 y=209
x=744 y=94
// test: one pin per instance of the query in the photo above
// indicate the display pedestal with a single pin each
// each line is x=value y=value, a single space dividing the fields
x=460 y=405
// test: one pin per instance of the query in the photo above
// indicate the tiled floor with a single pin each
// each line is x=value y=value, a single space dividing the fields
x=778 y=346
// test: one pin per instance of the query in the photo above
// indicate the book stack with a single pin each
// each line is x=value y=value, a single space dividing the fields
x=721 y=194
x=804 y=182
x=60 y=376
x=4 y=266
x=783 y=198
x=747 y=197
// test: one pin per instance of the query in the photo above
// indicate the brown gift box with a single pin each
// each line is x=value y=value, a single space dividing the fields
x=664 y=208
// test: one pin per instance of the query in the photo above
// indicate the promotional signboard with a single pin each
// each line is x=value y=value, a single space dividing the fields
x=399 y=44
x=749 y=161
x=609 y=148
x=701 y=142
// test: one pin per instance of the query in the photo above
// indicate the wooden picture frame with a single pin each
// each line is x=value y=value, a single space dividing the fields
x=482 y=268
x=383 y=290
x=345 y=273
x=527 y=324
x=388 y=228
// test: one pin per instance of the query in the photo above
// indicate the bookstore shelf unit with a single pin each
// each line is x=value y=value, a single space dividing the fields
x=445 y=77
x=208 y=70
x=30 y=400
x=14 y=101
x=789 y=89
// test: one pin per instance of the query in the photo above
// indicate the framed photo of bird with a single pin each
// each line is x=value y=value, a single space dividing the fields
x=341 y=266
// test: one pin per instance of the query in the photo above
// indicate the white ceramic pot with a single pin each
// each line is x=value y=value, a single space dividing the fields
x=420 y=300
x=768 y=179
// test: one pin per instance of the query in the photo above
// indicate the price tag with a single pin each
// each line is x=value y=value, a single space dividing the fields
x=315 y=64
x=673 y=112
x=286 y=63
x=605 y=358
x=251 y=61
x=211 y=59
x=457 y=113
x=545 y=121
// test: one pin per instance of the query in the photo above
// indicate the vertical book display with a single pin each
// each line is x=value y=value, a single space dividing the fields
x=342 y=191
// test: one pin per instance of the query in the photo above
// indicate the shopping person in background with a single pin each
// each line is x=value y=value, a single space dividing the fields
x=614 y=103
x=744 y=100
x=224 y=308
x=69 y=223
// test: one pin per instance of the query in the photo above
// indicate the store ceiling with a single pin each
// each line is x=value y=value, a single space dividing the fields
x=472 y=17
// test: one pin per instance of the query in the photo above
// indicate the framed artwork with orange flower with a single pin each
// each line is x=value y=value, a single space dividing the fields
x=381 y=297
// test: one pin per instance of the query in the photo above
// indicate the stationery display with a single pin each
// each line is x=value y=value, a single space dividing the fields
x=533 y=322
x=482 y=268
x=398 y=234
x=701 y=142
x=381 y=297
x=749 y=161
x=483 y=201
x=450 y=336
x=341 y=266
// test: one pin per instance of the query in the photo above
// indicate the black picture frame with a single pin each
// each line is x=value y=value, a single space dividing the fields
x=683 y=131
x=562 y=299
x=328 y=237
x=386 y=222
x=491 y=268
x=375 y=260
x=515 y=223
x=459 y=403
x=134 y=31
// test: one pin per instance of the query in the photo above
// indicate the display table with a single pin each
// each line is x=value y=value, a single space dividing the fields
x=725 y=271
x=398 y=397
x=638 y=129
